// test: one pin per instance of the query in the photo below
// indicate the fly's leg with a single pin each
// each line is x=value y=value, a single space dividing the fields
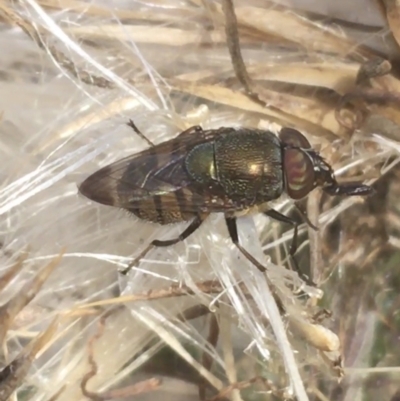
x=305 y=217
x=284 y=219
x=293 y=247
x=190 y=229
x=196 y=129
x=233 y=233
x=131 y=124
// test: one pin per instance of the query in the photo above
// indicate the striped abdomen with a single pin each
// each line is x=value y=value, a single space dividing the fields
x=165 y=209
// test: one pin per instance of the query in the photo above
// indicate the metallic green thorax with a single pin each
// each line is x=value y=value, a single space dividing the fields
x=245 y=164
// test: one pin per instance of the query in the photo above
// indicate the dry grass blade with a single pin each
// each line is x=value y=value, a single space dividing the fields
x=109 y=111
x=282 y=103
x=175 y=290
x=334 y=75
x=147 y=34
x=330 y=118
x=310 y=118
x=98 y=10
x=281 y=22
x=84 y=76
x=9 y=310
x=14 y=373
x=13 y=270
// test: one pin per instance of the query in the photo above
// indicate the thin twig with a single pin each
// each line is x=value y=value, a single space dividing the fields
x=128 y=391
x=245 y=384
x=233 y=43
x=193 y=312
x=228 y=352
x=207 y=359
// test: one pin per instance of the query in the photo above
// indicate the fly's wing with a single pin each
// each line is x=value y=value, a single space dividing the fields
x=157 y=171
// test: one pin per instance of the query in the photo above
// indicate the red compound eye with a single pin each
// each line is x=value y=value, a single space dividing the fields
x=292 y=137
x=299 y=173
